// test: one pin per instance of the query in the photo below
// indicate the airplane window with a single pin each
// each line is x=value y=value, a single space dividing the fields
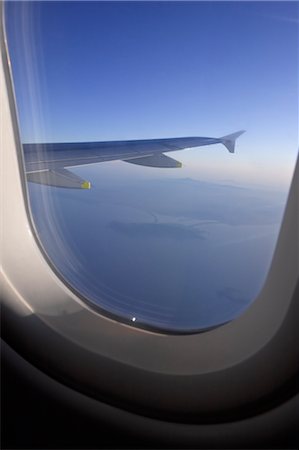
x=146 y=196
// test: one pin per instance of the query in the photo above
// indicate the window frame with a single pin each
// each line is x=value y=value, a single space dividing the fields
x=201 y=378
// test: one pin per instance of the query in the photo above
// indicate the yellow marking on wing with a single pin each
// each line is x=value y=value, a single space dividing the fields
x=86 y=185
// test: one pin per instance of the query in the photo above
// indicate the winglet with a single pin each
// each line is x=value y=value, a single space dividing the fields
x=230 y=140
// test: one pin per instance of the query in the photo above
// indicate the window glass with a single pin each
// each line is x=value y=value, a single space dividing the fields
x=178 y=249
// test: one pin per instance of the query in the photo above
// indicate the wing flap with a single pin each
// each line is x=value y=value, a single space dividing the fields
x=58 y=178
x=156 y=160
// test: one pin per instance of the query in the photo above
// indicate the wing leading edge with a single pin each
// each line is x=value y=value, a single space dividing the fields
x=45 y=163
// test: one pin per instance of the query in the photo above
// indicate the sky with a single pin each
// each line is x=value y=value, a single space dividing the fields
x=135 y=70
x=180 y=249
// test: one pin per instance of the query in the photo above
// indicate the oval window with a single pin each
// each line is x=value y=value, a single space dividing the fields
x=140 y=196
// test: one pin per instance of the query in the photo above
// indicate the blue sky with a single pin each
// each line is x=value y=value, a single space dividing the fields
x=118 y=70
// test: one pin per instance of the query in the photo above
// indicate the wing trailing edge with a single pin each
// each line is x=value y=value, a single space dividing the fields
x=58 y=178
x=156 y=160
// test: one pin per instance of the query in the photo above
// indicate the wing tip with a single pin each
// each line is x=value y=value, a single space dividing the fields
x=229 y=141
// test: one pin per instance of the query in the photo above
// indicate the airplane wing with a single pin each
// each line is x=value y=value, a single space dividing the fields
x=46 y=163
